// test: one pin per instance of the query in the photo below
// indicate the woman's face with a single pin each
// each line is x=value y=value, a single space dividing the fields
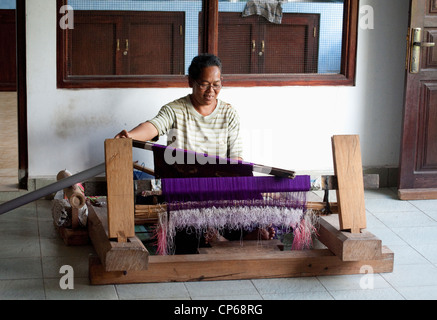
x=207 y=87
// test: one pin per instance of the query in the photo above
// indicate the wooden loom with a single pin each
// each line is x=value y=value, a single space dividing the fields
x=122 y=258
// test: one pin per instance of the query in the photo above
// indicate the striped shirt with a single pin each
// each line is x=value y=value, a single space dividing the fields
x=216 y=134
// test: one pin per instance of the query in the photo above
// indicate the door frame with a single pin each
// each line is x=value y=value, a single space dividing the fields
x=23 y=162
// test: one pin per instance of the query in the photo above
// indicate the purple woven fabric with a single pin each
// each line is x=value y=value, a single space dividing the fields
x=178 y=163
x=229 y=188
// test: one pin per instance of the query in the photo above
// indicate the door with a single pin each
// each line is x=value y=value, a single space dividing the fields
x=418 y=159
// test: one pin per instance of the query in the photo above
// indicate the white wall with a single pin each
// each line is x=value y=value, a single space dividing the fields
x=287 y=127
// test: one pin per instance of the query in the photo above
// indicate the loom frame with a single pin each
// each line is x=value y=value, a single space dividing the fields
x=122 y=258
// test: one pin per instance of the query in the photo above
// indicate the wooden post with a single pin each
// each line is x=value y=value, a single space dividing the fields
x=120 y=198
x=350 y=193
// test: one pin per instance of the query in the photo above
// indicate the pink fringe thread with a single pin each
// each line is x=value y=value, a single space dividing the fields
x=303 y=236
x=161 y=243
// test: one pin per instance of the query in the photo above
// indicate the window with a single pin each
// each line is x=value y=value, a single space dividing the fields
x=140 y=43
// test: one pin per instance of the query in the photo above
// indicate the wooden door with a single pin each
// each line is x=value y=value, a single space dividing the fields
x=418 y=160
x=8 y=66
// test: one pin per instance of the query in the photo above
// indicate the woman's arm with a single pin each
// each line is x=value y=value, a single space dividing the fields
x=143 y=132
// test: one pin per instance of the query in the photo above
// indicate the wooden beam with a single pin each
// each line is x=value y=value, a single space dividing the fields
x=350 y=193
x=144 y=169
x=115 y=256
x=235 y=266
x=212 y=159
x=345 y=245
x=119 y=178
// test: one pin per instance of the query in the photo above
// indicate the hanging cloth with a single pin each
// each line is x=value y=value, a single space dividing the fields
x=269 y=9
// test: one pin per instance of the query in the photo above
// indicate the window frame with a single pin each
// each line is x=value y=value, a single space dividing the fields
x=346 y=77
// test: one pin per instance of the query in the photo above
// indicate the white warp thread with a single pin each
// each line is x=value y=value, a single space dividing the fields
x=235 y=218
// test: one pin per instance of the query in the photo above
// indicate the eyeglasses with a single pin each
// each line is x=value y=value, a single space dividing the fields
x=207 y=86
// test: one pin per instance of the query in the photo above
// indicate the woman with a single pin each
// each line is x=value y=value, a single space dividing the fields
x=199 y=121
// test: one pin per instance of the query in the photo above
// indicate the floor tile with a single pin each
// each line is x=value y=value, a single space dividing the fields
x=20 y=268
x=419 y=292
x=317 y=295
x=387 y=236
x=57 y=248
x=22 y=289
x=373 y=222
x=23 y=228
x=288 y=285
x=19 y=247
x=428 y=251
x=223 y=289
x=412 y=275
x=425 y=205
x=47 y=230
x=81 y=290
x=369 y=294
x=429 y=207
x=248 y=296
x=153 y=291
x=417 y=235
x=52 y=266
x=388 y=205
x=353 y=282
x=405 y=219
x=406 y=254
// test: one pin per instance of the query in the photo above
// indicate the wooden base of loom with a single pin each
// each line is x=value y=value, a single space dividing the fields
x=346 y=254
x=115 y=256
x=349 y=247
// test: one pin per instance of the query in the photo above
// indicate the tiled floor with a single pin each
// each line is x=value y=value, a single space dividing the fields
x=31 y=255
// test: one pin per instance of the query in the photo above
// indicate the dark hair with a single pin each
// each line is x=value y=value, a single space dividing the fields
x=203 y=61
